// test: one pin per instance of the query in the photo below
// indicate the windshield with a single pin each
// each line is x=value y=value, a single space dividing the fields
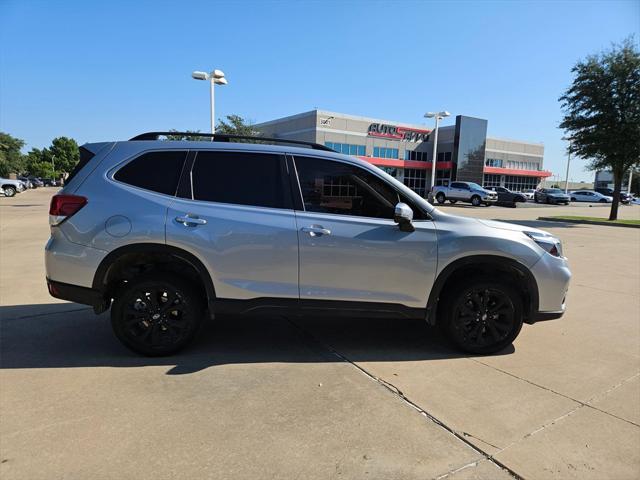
x=554 y=190
x=475 y=186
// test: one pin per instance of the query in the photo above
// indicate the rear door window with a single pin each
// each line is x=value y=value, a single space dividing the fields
x=155 y=171
x=241 y=178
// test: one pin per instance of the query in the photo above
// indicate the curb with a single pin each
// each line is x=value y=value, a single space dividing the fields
x=588 y=222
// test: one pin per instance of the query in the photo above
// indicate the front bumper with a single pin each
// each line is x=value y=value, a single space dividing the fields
x=553 y=277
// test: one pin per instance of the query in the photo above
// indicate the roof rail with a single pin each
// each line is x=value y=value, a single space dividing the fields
x=222 y=137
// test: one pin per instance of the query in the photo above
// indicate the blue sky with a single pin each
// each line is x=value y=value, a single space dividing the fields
x=108 y=70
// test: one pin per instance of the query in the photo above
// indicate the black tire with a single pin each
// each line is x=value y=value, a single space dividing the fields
x=9 y=191
x=535 y=199
x=440 y=198
x=476 y=201
x=573 y=199
x=603 y=200
x=145 y=321
x=482 y=315
x=452 y=202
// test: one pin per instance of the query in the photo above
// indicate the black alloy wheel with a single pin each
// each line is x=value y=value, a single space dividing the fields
x=476 y=201
x=482 y=317
x=156 y=314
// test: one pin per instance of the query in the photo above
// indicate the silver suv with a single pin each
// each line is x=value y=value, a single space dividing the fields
x=164 y=231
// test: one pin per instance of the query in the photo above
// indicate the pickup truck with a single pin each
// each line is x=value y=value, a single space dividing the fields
x=11 y=187
x=464 y=192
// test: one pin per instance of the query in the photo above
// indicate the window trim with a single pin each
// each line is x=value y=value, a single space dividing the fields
x=299 y=200
x=111 y=173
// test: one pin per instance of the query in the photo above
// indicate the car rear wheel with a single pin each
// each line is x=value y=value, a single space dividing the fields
x=476 y=201
x=440 y=198
x=156 y=314
x=9 y=191
x=483 y=316
x=603 y=200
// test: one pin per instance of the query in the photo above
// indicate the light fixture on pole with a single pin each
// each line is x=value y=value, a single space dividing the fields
x=216 y=77
x=566 y=181
x=438 y=116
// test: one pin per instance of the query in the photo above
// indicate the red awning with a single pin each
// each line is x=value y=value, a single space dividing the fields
x=392 y=162
x=520 y=173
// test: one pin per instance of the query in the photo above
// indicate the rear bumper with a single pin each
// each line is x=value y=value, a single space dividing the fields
x=75 y=293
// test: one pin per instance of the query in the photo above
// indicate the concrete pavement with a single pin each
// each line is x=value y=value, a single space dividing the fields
x=323 y=398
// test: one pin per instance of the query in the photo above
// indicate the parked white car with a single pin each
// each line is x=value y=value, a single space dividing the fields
x=589 y=196
x=11 y=187
x=528 y=194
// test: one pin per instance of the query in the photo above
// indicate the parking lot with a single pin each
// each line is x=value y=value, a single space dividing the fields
x=306 y=398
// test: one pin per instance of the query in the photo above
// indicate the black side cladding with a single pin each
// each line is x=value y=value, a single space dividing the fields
x=85 y=156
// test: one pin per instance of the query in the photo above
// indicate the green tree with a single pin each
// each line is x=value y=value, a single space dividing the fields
x=65 y=152
x=11 y=160
x=236 y=125
x=602 y=112
x=186 y=136
x=38 y=163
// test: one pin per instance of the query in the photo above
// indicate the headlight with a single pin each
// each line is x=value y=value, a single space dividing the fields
x=548 y=243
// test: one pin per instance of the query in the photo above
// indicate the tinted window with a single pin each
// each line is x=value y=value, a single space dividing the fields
x=155 y=171
x=240 y=178
x=335 y=187
x=459 y=185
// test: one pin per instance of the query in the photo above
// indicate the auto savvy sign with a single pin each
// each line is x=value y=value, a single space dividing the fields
x=392 y=132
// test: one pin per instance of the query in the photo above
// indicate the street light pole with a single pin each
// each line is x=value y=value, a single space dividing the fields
x=216 y=77
x=213 y=108
x=438 y=116
x=566 y=181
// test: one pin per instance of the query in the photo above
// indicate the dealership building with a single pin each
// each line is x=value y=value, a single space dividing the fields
x=405 y=150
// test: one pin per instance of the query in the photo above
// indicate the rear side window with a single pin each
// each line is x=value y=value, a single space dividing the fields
x=155 y=171
x=240 y=178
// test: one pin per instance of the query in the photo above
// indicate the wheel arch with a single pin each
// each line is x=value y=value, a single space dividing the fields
x=115 y=259
x=488 y=264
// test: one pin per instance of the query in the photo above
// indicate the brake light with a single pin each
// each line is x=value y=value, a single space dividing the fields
x=64 y=206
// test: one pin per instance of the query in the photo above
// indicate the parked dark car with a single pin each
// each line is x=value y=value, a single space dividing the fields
x=27 y=183
x=624 y=196
x=507 y=197
x=37 y=181
x=551 y=195
x=51 y=182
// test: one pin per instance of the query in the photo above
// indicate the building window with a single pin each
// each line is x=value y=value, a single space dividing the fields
x=518 y=183
x=347 y=148
x=384 y=152
x=493 y=162
x=415 y=156
x=522 y=165
x=443 y=177
x=415 y=179
x=394 y=172
x=491 y=180
x=444 y=156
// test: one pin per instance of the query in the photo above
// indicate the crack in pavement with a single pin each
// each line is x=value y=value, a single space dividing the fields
x=398 y=393
x=580 y=402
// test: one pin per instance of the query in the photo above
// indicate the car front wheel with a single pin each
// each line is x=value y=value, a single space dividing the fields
x=482 y=316
x=476 y=201
x=156 y=314
x=9 y=191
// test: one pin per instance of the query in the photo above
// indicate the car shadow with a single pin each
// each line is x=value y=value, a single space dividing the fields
x=65 y=336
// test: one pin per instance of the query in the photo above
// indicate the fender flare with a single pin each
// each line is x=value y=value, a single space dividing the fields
x=492 y=261
x=107 y=262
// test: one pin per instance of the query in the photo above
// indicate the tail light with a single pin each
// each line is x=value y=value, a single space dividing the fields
x=64 y=206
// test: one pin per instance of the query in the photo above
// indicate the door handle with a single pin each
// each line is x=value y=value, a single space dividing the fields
x=189 y=220
x=316 y=230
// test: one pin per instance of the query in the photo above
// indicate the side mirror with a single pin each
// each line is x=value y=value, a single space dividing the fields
x=403 y=215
